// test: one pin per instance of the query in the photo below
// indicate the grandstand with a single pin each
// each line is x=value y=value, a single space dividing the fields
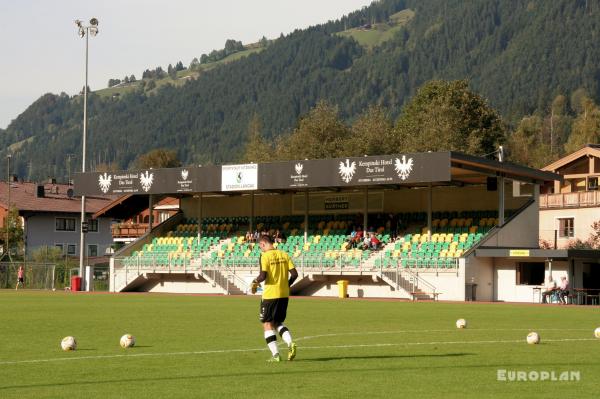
x=446 y=206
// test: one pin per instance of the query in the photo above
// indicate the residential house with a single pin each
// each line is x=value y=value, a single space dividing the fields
x=568 y=208
x=50 y=216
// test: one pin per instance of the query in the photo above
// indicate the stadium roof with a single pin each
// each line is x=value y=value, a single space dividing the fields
x=383 y=171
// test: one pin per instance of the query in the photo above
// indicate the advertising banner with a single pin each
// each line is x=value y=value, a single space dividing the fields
x=239 y=177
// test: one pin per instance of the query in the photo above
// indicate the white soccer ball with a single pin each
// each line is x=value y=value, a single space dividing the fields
x=127 y=341
x=533 y=338
x=68 y=343
x=461 y=323
x=597 y=332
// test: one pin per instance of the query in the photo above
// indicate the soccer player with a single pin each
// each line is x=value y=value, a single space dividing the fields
x=20 y=277
x=274 y=268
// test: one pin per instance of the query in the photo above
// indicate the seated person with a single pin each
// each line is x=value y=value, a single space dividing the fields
x=366 y=243
x=279 y=236
x=358 y=238
x=563 y=289
x=375 y=243
x=550 y=287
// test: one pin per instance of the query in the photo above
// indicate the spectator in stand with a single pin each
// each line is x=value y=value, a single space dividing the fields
x=563 y=289
x=550 y=287
x=375 y=244
x=358 y=238
x=249 y=237
x=350 y=239
x=366 y=242
x=279 y=236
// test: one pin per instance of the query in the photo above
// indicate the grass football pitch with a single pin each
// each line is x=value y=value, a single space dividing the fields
x=213 y=347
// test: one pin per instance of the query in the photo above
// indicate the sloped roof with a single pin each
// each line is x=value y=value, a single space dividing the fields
x=589 y=149
x=23 y=196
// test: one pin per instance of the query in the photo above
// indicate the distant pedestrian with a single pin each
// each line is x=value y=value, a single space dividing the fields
x=20 y=277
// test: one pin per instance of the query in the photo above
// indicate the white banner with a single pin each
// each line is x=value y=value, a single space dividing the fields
x=239 y=177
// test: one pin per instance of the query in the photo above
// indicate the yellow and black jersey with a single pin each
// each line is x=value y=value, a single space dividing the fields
x=277 y=265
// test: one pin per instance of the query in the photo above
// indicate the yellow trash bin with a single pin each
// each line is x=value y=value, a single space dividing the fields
x=342 y=288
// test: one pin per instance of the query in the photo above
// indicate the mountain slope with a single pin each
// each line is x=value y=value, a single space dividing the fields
x=518 y=54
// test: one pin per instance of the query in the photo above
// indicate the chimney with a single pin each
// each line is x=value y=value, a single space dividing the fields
x=14 y=178
x=40 y=191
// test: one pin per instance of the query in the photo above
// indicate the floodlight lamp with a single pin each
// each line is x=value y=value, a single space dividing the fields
x=78 y=23
x=93 y=31
x=94 y=22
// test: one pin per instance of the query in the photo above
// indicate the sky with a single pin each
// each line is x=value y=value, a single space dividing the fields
x=40 y=50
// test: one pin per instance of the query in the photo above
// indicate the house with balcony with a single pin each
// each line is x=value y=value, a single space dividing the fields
x=132 y=218
x=568 y=208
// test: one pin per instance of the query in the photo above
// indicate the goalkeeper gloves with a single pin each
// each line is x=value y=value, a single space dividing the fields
x=254 y=286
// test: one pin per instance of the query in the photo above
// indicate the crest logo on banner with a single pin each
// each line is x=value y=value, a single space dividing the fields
x=347 y=170
x=404 y=167
x=184 y=174
x=146 y=180
x=104 y=180
x=298 y=167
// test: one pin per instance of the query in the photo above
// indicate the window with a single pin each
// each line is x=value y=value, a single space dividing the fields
x=65 y=224
x=530 y=273
x=566 y=227
x=92 y=250
x=60 y=246
x=92 y=225
x=71 y=249
x=592 y=183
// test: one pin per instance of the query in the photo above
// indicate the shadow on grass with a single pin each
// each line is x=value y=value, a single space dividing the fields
x=331 y=358
x=284 y=371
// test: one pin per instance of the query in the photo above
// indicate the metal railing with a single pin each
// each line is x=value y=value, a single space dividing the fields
x=570 y=200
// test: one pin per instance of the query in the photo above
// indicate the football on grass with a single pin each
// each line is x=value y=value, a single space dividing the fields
x=68 y=344
x=597 y=332
x=533 y=338
x=127 y=341
x=461 y=323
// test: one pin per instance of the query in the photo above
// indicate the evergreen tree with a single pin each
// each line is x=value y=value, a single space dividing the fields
x=257 y=149
x=159 y=158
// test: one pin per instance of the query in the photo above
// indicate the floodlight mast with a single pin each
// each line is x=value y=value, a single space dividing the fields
x=84 y=31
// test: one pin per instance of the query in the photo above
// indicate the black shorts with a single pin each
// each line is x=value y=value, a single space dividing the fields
x=20 y=279
x=273 y=310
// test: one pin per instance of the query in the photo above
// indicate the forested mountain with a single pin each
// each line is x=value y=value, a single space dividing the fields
x=520 y=55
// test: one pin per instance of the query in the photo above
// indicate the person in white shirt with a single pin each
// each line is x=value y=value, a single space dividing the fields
x=549 y=289
x=563 y=289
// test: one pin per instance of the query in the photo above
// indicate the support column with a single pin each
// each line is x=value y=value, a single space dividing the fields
x=150 y=212
x=306 y=216
x=366 y=214
x=429 y=210
x=252 y=212
x=500 y=201
x=199 y=217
